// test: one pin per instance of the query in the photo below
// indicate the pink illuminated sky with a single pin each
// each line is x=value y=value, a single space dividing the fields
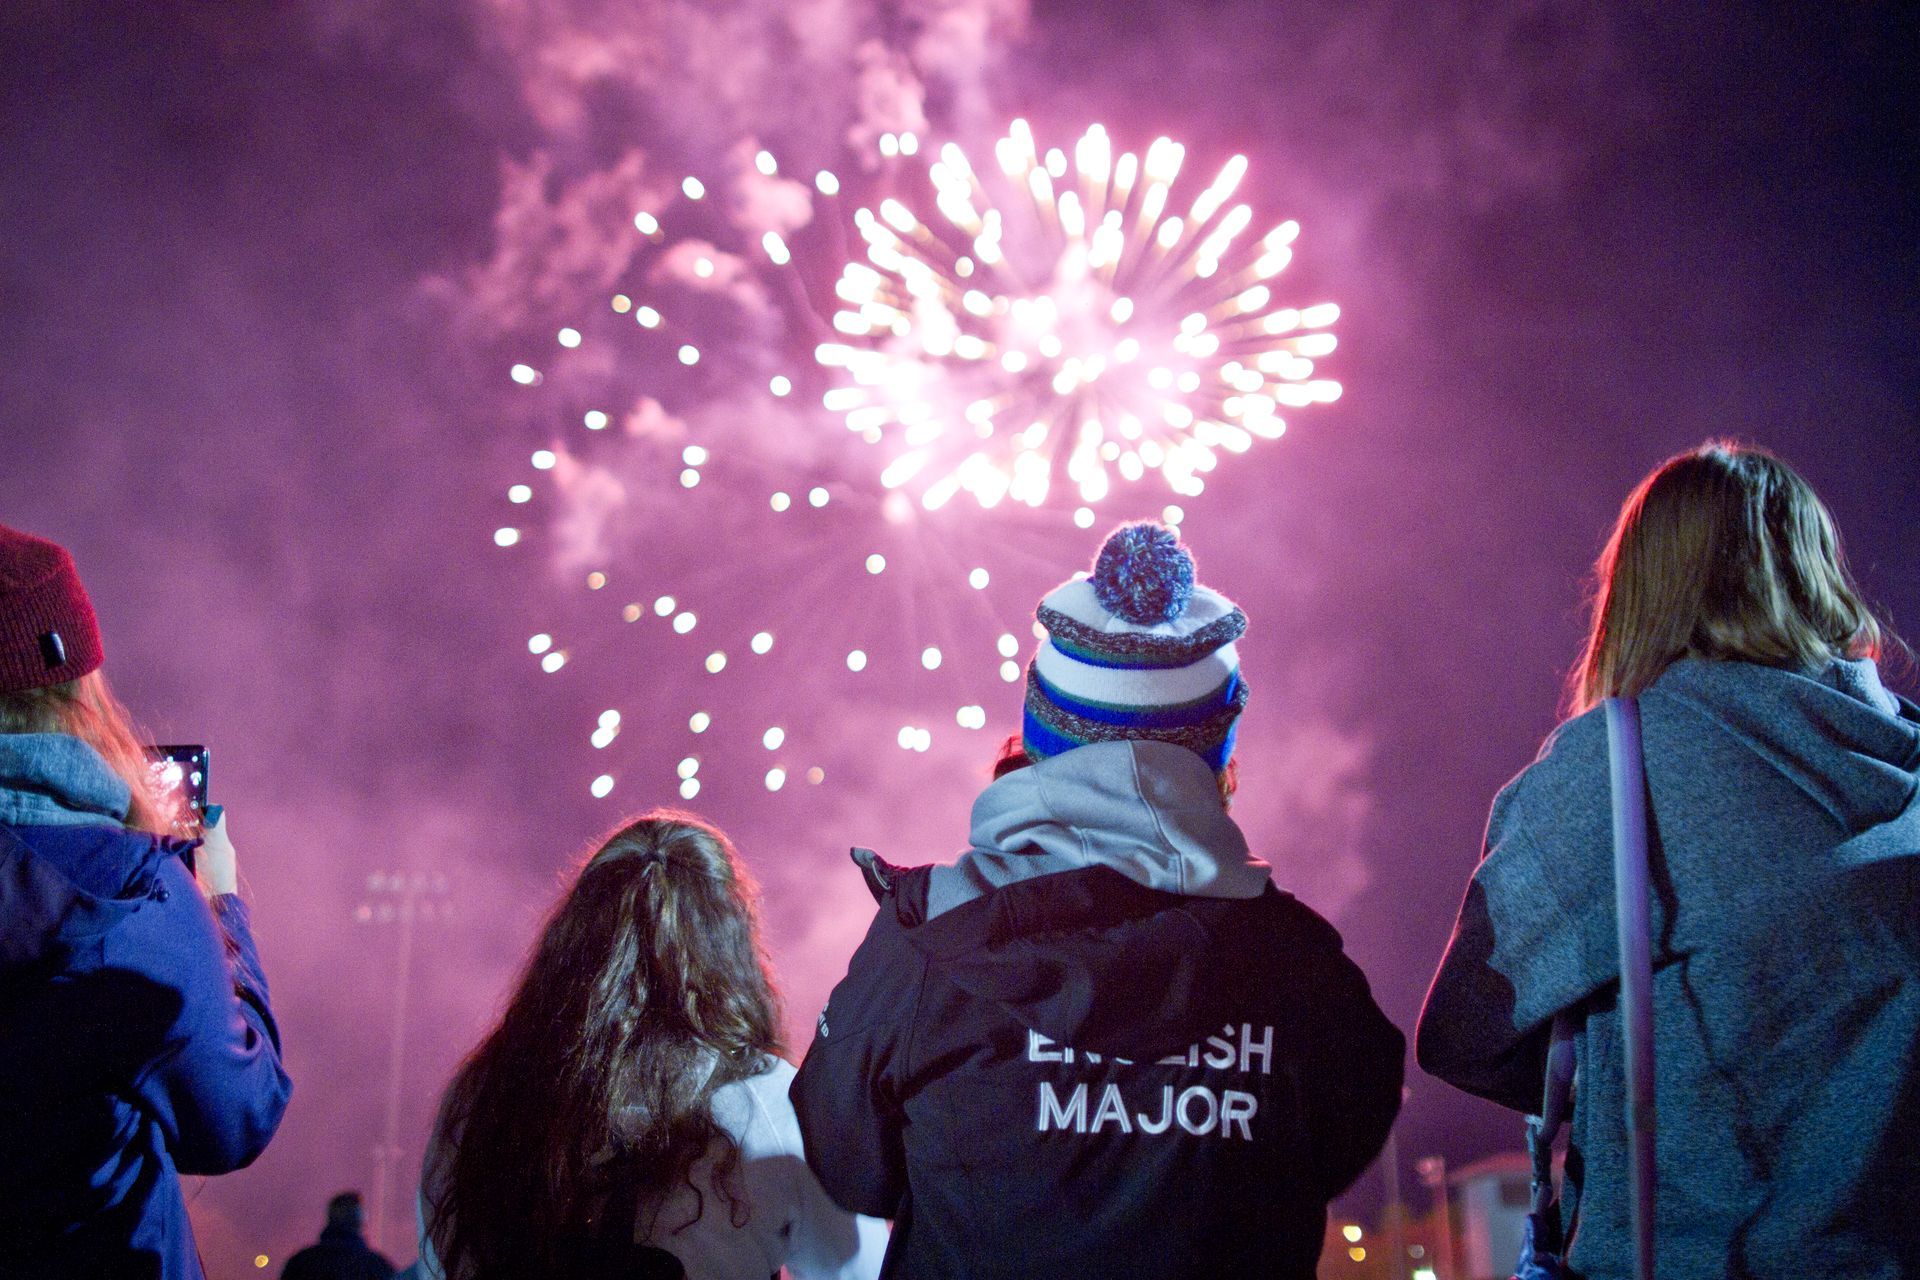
x=264 y=272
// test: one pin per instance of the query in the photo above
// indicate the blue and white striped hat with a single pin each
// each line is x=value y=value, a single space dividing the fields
x=1137 y=650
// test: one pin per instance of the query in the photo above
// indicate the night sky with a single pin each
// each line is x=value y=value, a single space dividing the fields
x=264 y=269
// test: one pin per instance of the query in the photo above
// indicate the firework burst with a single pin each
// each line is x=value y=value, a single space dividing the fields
x=1086 y=327
x=735 y=574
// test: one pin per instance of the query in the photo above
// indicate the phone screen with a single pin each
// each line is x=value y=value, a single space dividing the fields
x=179 y=774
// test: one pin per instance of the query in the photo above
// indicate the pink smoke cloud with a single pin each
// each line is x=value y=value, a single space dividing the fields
x=591 y=499
x=556 y=243
x=649 y=420
x=758 y=203
x=889 y=99
x=705 y=268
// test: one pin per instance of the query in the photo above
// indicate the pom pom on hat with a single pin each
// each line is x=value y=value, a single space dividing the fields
x=1143 y=574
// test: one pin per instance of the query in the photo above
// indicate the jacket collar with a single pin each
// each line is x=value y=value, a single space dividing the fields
x=56 y=780
x=1149 y=810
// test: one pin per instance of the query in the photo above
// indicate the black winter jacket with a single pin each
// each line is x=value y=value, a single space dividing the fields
x=1102 y=1044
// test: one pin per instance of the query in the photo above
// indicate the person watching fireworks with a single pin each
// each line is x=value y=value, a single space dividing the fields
x=628 y=1115
x=1103 y=1042
x=136 y=1040
x=1784 y=783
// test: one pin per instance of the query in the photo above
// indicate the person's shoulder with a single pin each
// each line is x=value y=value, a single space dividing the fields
x=1278 y=931
x=889 y=956
x=103 y=859
x=769 y=1083
x=1574 y=743
x=1570 y=758
x=757 y=1112
x=879 y=993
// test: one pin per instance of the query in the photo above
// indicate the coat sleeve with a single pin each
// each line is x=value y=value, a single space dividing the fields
x=216 y=1086
x=822 y=1240
x=848 y=1094
x=1354 y=1058
x=1535 y=930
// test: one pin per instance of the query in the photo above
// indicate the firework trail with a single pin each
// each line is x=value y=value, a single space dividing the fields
x=1077 y=325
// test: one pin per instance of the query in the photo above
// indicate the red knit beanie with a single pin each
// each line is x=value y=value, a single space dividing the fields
x=48 y=634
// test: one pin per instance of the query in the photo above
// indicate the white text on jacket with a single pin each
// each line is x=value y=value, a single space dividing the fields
x=1197 y=1109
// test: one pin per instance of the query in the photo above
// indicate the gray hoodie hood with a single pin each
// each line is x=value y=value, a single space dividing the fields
x=1107 y=902
x=1838 y=736
x=56 y=780
x=1149 y=810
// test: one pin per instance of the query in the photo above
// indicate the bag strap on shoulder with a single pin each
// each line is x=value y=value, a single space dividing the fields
x=1627 y=769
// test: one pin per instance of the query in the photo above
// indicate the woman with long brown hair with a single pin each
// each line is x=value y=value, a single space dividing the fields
x=632 y=1099
x=1784 y=848
x=136 y=1041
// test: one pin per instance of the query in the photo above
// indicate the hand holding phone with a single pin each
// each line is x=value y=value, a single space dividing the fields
x=180 y=773
x=217 y=868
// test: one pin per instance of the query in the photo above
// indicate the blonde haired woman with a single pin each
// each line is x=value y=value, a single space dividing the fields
x=136 y=1041
x=1784 y=783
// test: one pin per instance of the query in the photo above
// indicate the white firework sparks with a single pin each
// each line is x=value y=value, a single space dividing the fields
x=1095 y=332
x=699 y=647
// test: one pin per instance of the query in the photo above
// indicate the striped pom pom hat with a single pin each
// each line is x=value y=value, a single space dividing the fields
x=1137 y=650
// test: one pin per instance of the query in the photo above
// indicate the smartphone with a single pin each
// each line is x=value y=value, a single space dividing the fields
x=179 y=774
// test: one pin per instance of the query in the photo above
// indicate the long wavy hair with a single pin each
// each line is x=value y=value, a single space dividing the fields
x=647 y=992
x=86 y=709
x=1723 y=552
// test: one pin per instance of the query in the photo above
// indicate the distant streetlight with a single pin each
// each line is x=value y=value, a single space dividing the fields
x=403 y=899
x=1396 y=1208
x=1433 y=1173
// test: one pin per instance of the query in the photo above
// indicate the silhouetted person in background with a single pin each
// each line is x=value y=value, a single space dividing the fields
x=342 y=1252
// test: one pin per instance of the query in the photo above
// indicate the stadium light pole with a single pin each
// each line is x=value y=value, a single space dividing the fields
x=1433 y=1172
x=401 y=899
x=1396 y=1208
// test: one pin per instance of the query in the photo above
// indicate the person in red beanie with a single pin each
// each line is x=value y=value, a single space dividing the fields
x=136 y=1040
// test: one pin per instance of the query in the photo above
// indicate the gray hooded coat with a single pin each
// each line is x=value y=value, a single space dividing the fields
x=1785 y=857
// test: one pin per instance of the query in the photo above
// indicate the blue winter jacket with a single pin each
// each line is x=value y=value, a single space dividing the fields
x=136 y=1043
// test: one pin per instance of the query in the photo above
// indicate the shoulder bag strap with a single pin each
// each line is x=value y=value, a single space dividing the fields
x=1627 y=769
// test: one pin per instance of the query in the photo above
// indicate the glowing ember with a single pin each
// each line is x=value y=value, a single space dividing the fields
x=1085 y=329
